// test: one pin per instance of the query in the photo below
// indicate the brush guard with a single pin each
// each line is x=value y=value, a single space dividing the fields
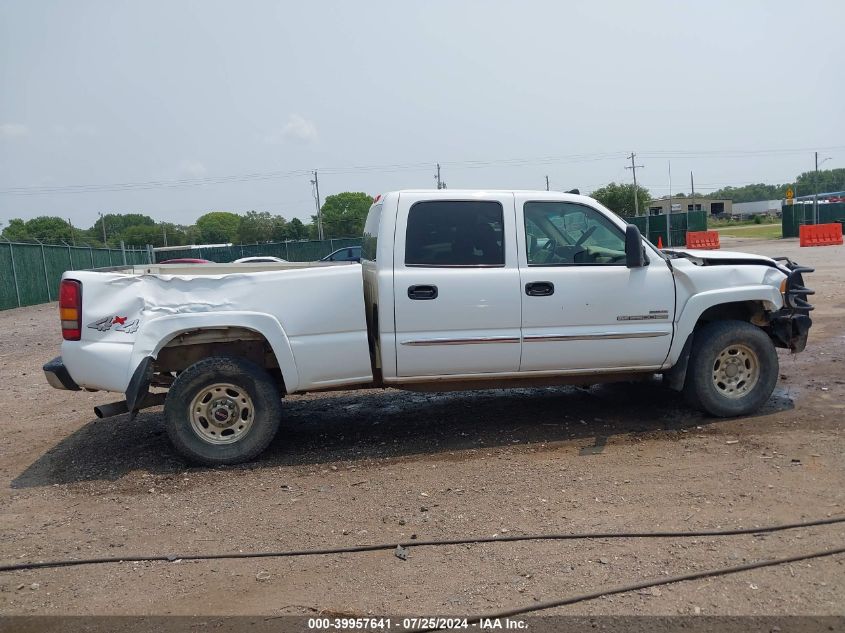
x=791 y=324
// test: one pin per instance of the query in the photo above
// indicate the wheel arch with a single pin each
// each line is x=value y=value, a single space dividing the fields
x=747 y=304
x=160 y=334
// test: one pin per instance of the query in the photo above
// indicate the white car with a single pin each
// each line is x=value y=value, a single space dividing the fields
x=456 y=290
x=261 y=259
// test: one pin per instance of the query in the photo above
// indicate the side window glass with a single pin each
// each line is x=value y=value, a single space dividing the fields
x=565 y=233
x=455 y=233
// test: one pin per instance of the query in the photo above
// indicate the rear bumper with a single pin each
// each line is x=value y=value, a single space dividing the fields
x=57 y=375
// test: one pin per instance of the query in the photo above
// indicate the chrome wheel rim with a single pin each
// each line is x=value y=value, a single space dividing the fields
x=222 y=413
x=735 y=371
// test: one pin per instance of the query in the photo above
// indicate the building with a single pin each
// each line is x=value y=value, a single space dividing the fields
x=680 y=205
x=759 y=207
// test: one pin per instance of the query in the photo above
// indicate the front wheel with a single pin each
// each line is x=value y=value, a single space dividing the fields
x=733 y=369
x=222 y=410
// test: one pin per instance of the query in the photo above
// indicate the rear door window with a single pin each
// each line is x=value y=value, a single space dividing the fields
x=455 y=233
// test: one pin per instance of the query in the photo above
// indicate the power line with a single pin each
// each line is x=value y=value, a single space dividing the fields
x=388 y=168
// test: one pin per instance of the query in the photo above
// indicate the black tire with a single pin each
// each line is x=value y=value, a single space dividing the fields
x=258 y=401
x=743 y=344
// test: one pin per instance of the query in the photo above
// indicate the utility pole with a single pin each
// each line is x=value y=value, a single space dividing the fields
x=72 y=236
x=816 y=192
x=634 y=168
x=316 y=183
x=164 y=232
x=103 y=223
x=440 y=183
x=669 y=215
x=547 y=183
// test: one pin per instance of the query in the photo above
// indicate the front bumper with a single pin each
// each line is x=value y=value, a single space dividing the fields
x=791 y=324
x=57 y=375
x=790 y=330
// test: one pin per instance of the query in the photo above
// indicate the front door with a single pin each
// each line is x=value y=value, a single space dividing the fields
x=581 y=307
x=456 y=286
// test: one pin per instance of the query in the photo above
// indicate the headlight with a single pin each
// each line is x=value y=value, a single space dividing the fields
x=776 y=278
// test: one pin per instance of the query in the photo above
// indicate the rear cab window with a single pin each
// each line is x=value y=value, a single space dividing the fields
x=455 y=233
x=370 y=244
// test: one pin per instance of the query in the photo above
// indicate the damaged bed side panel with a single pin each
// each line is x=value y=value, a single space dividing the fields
x=309 y=317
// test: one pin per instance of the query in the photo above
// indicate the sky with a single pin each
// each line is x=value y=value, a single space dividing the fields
x=175 y=109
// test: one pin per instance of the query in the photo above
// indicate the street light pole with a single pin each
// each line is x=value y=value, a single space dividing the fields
x=816 y=192
x=816 y=188
x=669 y=215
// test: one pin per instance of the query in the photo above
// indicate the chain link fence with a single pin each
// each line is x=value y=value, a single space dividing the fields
x=30 y=273
x=795 y=215
x=679 y=224
x=292 y=251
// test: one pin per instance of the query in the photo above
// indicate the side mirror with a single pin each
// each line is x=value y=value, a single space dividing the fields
x=634 y=255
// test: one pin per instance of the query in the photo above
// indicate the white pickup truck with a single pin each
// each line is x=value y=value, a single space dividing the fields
x=456 y=290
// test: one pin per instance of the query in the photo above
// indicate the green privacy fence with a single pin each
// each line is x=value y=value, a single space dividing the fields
x=305 y=251
x=794 y=215
x=30 y=273
x=679 y=224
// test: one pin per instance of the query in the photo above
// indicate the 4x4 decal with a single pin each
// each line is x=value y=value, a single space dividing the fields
x=116 y=323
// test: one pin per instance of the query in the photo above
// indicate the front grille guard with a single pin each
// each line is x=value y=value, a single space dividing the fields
x=796 y=293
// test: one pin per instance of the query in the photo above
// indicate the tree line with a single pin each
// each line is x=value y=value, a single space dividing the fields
x=343 y=215
x=829 y=180
x=620 y=197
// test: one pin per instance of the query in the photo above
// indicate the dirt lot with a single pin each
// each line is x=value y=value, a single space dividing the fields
x=350 y=468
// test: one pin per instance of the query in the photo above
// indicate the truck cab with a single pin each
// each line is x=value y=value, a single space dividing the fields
x=512 y=284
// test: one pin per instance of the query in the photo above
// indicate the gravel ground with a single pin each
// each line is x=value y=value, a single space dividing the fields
x=381 y=466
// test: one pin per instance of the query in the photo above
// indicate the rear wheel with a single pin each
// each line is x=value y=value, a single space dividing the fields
x=733 y=369
x=222 y=410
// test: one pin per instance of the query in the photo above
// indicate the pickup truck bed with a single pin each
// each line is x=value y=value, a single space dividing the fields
x=311 y=315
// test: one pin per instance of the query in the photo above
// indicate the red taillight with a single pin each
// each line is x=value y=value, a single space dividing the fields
x=70 y=309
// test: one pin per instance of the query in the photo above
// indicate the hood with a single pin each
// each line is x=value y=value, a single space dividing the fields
x=719 y=257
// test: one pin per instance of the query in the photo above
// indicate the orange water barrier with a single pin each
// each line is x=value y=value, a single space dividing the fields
x=704 y=240
x=820 y=234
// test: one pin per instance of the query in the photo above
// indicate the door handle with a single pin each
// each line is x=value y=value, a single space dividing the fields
x=539 y=288
x=422 y=293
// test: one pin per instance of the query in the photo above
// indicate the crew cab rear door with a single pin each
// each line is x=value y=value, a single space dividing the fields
x=581 y=307
x=456 y=285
